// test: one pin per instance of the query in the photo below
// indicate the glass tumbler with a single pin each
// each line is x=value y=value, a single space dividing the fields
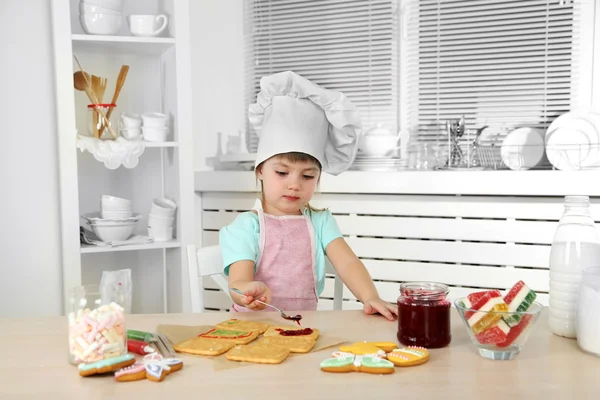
x=588 y=312
x=96 y=320
x=424 y=315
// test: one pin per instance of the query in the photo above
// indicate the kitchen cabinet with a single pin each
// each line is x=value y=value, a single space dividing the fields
x=158 y=80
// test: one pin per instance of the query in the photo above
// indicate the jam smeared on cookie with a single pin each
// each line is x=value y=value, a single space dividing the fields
x=295 y=318
x=298 y=332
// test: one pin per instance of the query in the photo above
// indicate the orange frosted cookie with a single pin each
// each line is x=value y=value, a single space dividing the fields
x=408 y=356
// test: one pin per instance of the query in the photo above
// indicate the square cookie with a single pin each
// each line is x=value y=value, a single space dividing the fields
x=230 y=335
x=239 y=325
x=276 y=331
x=293 y=344
x=258 y=353
x=204 y=347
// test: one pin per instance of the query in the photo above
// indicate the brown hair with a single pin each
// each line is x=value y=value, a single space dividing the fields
x=293 y=157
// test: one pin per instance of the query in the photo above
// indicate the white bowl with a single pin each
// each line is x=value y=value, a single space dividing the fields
x=116 y=5
x=163 y=207
x=112 y=203
x=161 y=234
x=378 y=145
x=105 y=214
x=96 y=219
x=110 y=233
x=160 y=222
x=95 y=9
x=523 y=149
x=155 y=120
x=100 y=24
x=155 y=134
x=132 y=133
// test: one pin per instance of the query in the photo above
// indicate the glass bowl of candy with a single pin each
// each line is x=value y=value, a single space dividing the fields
x=499 y=325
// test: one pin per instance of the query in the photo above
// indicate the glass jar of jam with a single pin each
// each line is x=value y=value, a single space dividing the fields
x=424 y=315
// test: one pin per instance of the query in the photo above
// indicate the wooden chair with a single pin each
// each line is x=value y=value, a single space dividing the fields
x=208 y=262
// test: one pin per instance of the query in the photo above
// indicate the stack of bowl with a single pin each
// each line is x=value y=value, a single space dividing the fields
x=160 y=221
x=101 y=17
x=155 y=126
x=115 y=222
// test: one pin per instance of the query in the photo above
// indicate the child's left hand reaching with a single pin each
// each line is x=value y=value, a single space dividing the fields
x=378 y=306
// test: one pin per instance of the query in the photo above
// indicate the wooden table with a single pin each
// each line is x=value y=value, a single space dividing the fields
x=34 y=364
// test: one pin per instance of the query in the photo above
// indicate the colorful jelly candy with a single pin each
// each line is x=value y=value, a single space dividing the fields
x=489 y=300
x=519 y=298
x=516 y=331
x=498 y=333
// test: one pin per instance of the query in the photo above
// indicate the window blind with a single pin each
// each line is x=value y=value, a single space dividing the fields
x=349 y=46
x=501 y=63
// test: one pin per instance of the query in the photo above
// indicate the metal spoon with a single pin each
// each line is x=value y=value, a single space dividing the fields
x=296 y=318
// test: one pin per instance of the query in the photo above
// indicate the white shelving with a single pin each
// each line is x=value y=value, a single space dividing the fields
x=171 y=244
x=158 y=80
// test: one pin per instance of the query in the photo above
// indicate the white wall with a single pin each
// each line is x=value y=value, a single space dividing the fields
x=30 y=275
x=218 y=73
x=30 y=280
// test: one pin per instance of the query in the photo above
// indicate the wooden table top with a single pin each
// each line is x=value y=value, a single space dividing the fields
x=34 y=355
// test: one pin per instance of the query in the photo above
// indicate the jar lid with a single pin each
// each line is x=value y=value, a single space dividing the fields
x=101 y=105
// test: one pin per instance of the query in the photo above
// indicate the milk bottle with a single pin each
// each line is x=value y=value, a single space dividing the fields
x=575 y=246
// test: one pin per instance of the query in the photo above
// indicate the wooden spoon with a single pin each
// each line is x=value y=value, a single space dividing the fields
x=82 y=82
x=120 y=81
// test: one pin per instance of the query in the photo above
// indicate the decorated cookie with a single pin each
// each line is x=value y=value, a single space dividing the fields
x=154 y=368
x=292 y=331
x=369 y=348
x=408 y=356
x=107 y=365
x=204 y=347
x=368 y=364
x=234 y=336
x=239 y=325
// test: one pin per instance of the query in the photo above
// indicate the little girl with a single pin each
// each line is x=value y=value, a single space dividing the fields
x=276 y=253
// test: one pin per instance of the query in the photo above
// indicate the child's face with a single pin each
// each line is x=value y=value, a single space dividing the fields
x=287 y=186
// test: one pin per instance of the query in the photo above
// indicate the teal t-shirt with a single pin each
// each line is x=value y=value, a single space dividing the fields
x=239 y=240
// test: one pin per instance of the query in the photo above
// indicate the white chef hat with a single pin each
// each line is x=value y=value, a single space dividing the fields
x=292 y=114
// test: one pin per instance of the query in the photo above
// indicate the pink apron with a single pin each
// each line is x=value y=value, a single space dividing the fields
x=286 y=261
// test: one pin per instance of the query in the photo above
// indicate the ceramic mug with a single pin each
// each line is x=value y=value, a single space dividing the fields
x=147 y=25
x=130 y=120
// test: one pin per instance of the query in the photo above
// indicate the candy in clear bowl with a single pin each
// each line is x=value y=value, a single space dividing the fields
x=498 y=335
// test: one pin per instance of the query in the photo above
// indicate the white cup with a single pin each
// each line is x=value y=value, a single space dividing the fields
x=158 y=221
x=161 y=234
x=155 y=134
x=147 y=25
x=130 y=120
x=163 y=207
x=155 y=120
x=131 y=134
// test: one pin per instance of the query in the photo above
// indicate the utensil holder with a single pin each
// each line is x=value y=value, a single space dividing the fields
x=96 y=120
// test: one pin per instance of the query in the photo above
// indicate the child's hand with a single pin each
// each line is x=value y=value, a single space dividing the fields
x=378 y=306
x=256 y=291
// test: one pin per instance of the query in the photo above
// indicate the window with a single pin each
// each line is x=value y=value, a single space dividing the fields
x=350 y=46
x=500 y=63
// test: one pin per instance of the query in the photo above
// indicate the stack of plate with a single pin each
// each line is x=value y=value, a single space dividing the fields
x=573 y=141
x=364 y=163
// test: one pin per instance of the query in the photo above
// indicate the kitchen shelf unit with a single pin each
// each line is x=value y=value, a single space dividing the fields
x=158 y=80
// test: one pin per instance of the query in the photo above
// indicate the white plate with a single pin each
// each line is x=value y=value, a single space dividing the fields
x=572 y=141
x=523 y=148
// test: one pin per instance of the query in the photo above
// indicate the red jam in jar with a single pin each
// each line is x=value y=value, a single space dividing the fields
x=424 y=315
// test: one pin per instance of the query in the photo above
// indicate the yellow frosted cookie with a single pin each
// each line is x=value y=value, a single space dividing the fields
x=362 y=348
x=408 y=356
